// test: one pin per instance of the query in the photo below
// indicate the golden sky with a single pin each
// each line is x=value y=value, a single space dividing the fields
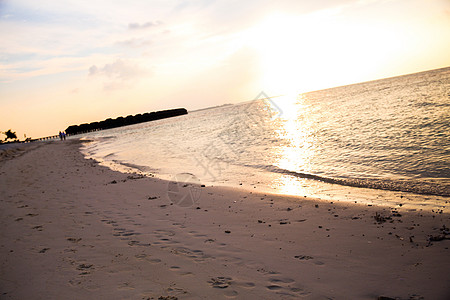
x=73 y=61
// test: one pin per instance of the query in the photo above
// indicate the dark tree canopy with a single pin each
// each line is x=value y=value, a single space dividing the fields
x=128 y=120
x=10 y=135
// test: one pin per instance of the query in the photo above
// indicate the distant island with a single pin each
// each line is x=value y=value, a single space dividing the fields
x=121 y=121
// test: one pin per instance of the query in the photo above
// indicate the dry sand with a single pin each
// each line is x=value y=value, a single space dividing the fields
x=71 y=229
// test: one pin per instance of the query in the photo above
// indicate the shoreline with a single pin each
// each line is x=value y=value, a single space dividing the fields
x=73 y=229
x=311 y=188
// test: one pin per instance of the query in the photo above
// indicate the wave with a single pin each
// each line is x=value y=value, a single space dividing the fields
x=410 y=186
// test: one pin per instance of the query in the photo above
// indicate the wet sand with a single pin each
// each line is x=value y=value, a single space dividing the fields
x=73 y=229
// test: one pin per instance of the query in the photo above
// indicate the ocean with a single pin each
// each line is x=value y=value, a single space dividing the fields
x=384 y=142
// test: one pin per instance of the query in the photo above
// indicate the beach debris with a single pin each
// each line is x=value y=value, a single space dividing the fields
x=396 y=213
x=289 y=209
x=316 y=206
x=134 y=177
x=152 y=197
x=412 y=297
x=303 y=257
x=73 y=240
x=84 y=266
x=112 y=182
x=44 y=250
x=129 y=233
x=436 y=238
x=227 y=231
x=444 y=231
x=412 y=241
x=380 y=219
x=416 y=297
x=399 y=237
x=220 y=282
x=284 y=221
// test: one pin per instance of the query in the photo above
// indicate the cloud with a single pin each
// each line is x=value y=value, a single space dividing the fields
x=119 y=69
x=134 y=43
x=137 y=26
x=119 y=74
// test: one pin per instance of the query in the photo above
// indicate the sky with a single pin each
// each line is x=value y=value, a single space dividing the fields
x=74 y=61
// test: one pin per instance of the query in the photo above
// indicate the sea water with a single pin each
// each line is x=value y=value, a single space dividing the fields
x=384 y=141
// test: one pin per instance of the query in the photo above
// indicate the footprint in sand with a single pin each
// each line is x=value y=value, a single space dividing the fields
x=168 y=241
x=220 y=282
x=245 y=285
x=177 y=269
x=274 y=287
x=281 y=280
x=286 y=286
x=146 y=257
x=197 y=255
x=179 y=225
x=141 y=256
x=161 y=232
x=154 y=260
x=199 y=235
x=38 y=227
x=125 y=286
x=231 y=294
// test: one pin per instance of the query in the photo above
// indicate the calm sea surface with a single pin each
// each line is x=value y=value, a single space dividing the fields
x=380 y=141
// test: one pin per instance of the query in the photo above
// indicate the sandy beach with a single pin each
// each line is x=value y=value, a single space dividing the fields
x=72 y=229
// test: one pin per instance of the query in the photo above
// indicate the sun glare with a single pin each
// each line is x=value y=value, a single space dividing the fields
x=279 y=51
x=316 y=51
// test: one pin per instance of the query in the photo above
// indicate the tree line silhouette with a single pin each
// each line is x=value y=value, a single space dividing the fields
x=121 y=121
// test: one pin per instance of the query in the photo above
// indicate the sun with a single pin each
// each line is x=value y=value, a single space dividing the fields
x=300 y=53
x=280 y=53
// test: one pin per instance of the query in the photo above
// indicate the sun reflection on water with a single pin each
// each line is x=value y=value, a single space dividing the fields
x=296 y=129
